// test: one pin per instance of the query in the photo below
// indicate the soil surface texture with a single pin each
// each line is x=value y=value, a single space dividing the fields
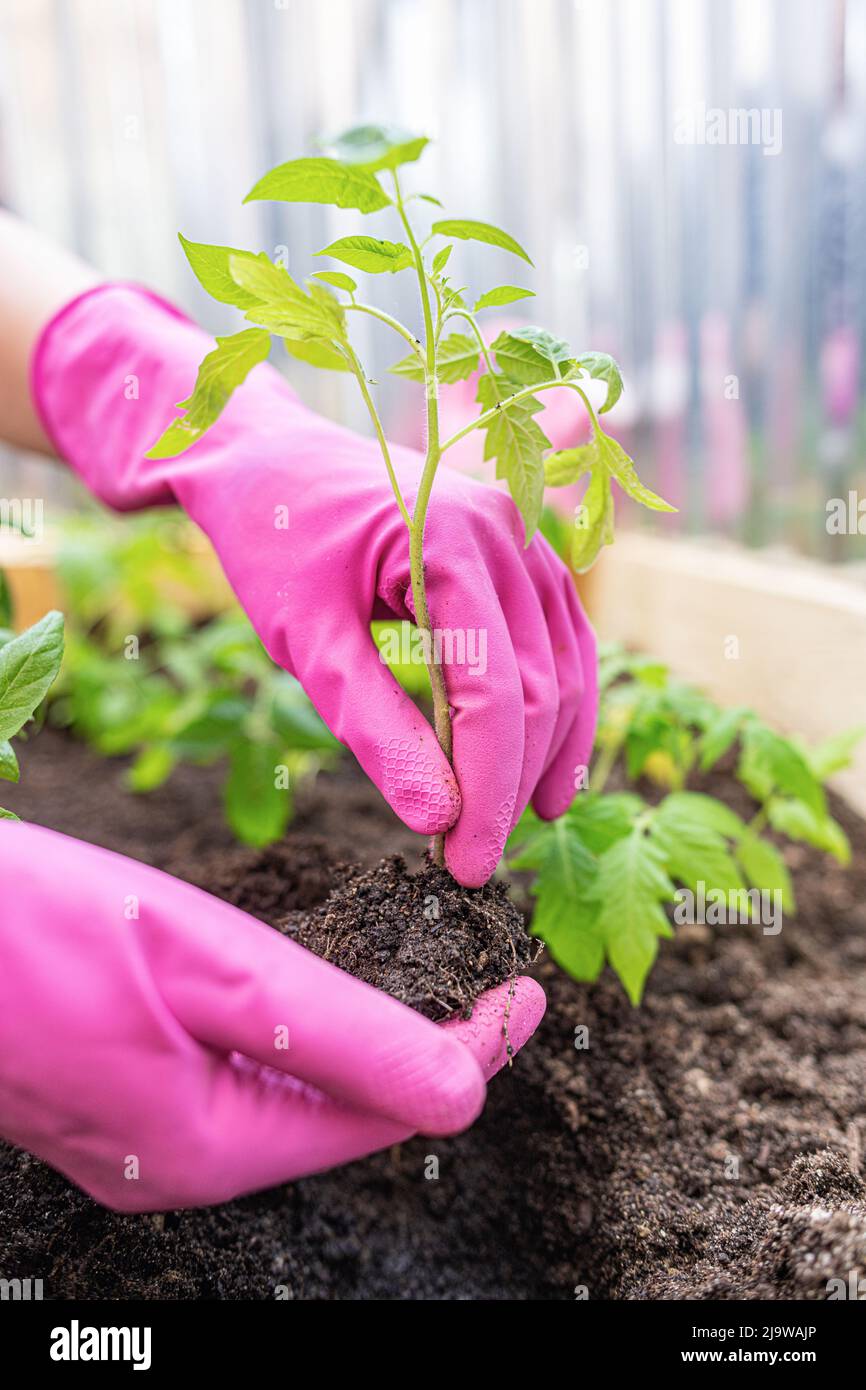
x=707 y=1145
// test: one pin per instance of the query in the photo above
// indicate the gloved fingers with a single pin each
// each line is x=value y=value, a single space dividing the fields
x=357 y=696
x=556 y=790
x=551 y=580
x=271 y=1128
x=237 y=985
x=503 y=1020
x=485 y=694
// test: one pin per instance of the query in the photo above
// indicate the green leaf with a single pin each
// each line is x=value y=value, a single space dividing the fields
x=210 y=265
x=602 y=820
x=565 y=467
x=457 y=357
x=7 y=607
x=719 y=735
x=694 y=851
x=282 y=306
x=520 y=361
x=593 y=525
x=657 y=738
x=256 y=808
x=517 y=442
x=769 y=762
x=796 y=820
x=834 y=753
x=213 y=733
x=554 y=352
x=765 y=868
x=440 y=260
x=631 y=885
x=601 y=453
x=617 y=462
x=370 y=254
x=467 y=230
x=527 y=826
x=7 y=815
x=221 y=372
x=9 y=769
x=151 y=768
x=28 y=666
x=705 y=810
x=317 y=353
x=329 y=307
x=338 y=279
x=411 y=368
x=376 y=147
x=602 y=367
x=503 y=294
x=320 y=180
x=563 y=917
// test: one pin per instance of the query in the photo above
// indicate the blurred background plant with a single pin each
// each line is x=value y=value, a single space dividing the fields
x=650 y=820
x=146 y=675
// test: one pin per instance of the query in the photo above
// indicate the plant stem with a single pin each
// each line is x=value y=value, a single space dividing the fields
x=605 y=763
x=516 y=396
x=441 y=710
x=482 y=346
x=380 y=433
x=391 y=322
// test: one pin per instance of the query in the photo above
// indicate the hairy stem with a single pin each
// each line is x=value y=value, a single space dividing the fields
x=482 y=346
x=441 y=710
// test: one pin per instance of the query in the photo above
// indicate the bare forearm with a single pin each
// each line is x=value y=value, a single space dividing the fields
x=37 y=279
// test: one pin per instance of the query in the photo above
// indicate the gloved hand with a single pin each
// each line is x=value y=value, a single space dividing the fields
x=126 y=997
x=106 y=373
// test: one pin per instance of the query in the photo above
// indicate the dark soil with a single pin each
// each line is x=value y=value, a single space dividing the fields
x=707 y=1145
x=432 y=945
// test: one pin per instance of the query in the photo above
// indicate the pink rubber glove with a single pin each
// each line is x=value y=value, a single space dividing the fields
x=106 y=373
x=120 y=1035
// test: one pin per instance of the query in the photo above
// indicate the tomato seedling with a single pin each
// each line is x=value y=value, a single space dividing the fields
x=365 y=172
x=606 y=873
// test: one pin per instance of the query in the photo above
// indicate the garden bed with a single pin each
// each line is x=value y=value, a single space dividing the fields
x=707 y=1145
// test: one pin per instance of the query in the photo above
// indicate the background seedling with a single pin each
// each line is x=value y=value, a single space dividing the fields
x=606 y=870
x=190 y=691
